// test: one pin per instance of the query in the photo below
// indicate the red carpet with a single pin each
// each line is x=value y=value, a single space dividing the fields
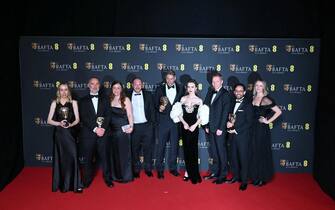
x=31 y=190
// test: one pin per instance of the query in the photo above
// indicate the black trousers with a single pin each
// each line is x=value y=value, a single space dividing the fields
x=93 y=149
x=219 y=154
x=142 y=141
x=240 y=157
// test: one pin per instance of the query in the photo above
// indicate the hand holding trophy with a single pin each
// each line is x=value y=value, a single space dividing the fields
x=232 y=119
x=163 y=102
x=100 y=121
x=64 y=112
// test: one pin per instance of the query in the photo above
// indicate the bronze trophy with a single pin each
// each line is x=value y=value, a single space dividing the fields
x=232 y=119
x=64 y=112
x=164 y=101
x=100 y=121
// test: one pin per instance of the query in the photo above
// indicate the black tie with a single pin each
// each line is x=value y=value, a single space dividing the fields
x=94 y=96
x=137 y=94
x=170 y=86
x=239 y=100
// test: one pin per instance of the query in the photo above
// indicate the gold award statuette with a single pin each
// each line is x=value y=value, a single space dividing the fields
x=64 y=112
x=164 y=101
x=232 y=119
x=100 y=121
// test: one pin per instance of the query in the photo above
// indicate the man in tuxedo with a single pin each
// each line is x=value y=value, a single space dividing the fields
x=93 y=135
x=239 y=129
x=218 y=101
x=166 y=95
x=142 y=135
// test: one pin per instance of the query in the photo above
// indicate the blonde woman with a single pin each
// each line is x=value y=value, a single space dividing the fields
x=266 y=111
x=64 y=116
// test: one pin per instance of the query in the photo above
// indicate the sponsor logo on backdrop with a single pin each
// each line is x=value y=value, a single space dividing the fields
x=242 y=69
x=56 y=66
x=288 y=107
x=149 y=48
x=225 y=49
x=43 y=122
x=98 y=66
x=43 y=158
x=275 y=69
x=262 y=50
x=174 y=67
x=293 y=164
x=281 y=145
x=77 y=85
x=130 y=67
x=295 y=89
x=295 y=127
x=44 y=47
x=116 y=48
x=228 y=87
x=188 y=49
x=43 y=85
x=299 y=50
x=202 y=68
x=74 y=47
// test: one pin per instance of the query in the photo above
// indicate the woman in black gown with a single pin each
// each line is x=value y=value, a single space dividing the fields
x=266 y=111
x=121 y=122
x=188 y=112
x=64 y=116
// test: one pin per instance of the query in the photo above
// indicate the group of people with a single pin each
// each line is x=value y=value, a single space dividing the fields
x=118 y=129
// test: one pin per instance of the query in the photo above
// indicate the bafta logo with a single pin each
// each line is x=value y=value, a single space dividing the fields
x=269 y=67
x=52 y=65
x=286 y=87
x=250 y=86
x=34 y=45
x=232 y=67
x=178 y=47
x=288 y=48
x=100 y=121
x=106 y=84
x=142 y=47
x=69 y=46
x=214 y=47
x=105 y=46
x=160 y=66
x=36 y=83
x=282 y=162
x=124 y=66
x=284 y=125
x=196 y=67
x=37 y=120
x=70 y=84
x=38 y=156
x=252 y=48
x=88 y=65
x=232 y=120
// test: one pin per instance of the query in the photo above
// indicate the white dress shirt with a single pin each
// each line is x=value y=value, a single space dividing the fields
x=95 y=102
x=137 y=102
x=171 y=93
x=214 y=95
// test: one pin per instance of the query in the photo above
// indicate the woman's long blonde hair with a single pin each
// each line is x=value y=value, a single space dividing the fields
x=58 y=96
x=265 y=90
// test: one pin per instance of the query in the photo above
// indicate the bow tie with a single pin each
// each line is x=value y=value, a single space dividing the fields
x=214 y=91
x=239 y=100
x=137 y=94
x=94 y=96
x=170 y=86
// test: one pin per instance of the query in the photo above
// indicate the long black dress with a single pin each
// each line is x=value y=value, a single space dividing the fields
x=120 y=157
x=261 y=162
x=190 y=143
x=65 y=171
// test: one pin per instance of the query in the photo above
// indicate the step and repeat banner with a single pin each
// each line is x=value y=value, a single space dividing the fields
x=290 y=67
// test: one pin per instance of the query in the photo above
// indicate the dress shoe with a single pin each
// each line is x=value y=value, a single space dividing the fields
x=79 y=190
x=174 y=172
x=261 y=183
x=186 y=178
x=136 y=174
x=199 y=180
x=219 y=180
x=149 y=173
x=210 y=176
x=243 y=186
x=256 y=182
x=160 y=175
x=232 y=180
x=194 y=181
x=110 y=185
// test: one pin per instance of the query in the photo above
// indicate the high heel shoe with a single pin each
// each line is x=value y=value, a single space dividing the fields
x=185 y=179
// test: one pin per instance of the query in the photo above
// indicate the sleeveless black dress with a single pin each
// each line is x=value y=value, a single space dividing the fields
x=65 y=171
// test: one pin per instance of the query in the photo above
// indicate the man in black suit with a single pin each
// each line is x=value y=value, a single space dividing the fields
x=142 y=135
x=166 y=95
x=218 y=101
x=93 y=132
x=239 y=129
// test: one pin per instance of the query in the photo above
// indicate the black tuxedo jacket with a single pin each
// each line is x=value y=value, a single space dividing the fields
x=218 y=110
x=149 y=109
x=244 y=118
x=88 y=117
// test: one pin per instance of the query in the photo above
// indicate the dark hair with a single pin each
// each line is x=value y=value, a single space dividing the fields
x=137 y=77
x=122 y=94
x=171 y=72
x=240 y=84
x=93 y=77
x=217 y=74
x=195 y=83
